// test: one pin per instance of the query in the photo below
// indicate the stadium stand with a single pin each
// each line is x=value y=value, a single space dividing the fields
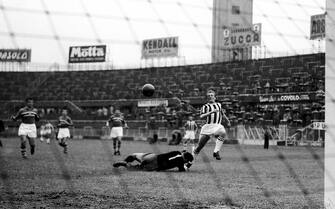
x=300 y=73
x=240 y=84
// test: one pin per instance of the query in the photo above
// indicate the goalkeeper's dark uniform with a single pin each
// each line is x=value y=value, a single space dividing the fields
x=158 y=162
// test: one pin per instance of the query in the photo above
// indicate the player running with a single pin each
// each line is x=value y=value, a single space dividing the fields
x=46 y=132
x=158 y=162
x=117 y=123
x=191 y=128
x=64 y=122
x=214 y=115
x=27 y=129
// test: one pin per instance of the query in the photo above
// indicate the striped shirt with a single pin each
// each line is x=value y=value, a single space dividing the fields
x=64 y=122
x=214 y=118
x=116 y=121
x=27 y=115
x=191 y=125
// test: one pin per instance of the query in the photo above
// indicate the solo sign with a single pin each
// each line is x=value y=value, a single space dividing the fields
x=15 y=55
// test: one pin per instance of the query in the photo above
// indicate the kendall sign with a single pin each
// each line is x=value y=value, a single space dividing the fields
x=81 y=54
x=160 y=47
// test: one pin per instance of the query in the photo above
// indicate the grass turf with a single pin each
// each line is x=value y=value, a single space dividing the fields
x=246 y=177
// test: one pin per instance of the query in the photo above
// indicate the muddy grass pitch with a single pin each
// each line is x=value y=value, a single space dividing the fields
x=246 y=177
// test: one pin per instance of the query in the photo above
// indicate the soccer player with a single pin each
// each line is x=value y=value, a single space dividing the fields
x=191 y=128
x=214 y=115
x=64 y=122
x=117 y=123
x=46 y=132
x=27 y=130
x=158 y=162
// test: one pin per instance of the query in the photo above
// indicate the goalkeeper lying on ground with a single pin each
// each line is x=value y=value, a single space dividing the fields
x=158 y=162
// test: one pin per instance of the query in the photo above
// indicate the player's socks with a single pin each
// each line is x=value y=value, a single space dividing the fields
x=65 y=149
x=48 y=140
x=24 y=154
x=32 y=149
x=218 y=144
x=0 y=143
x=114 y=144
x=23 y=149
x=202 y=142
x=216 y=155
x=118 y=146
x=115 y=152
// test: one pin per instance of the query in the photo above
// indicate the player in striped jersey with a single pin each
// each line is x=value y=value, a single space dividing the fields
x=64 y=122
x=214 y=115
x=117 y=122
x=191 y=128
x=27 y=129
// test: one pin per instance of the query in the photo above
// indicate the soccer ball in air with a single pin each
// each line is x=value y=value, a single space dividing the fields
x=148 y=90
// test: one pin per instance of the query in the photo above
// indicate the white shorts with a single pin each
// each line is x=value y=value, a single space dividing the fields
x=27 y=130
x=63 y=133
x=116 y=132
x=189 y=135
x=45 y=132
x=212 y=129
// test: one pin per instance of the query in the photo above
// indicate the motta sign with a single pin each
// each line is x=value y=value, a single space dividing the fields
x=80 y=54
x=284 y=98
x=160 y=47
x=242 y=37
x=15 y=55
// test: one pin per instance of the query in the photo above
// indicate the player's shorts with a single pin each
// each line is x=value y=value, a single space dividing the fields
x=212 y=129
x=45 y=133
x=27 y=130
x=116 y=132
x=189 y=135
x=63 y=133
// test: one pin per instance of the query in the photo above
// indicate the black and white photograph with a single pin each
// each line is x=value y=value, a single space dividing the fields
x=167 y=104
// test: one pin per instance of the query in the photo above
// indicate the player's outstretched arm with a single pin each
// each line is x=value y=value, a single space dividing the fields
x=16 y=116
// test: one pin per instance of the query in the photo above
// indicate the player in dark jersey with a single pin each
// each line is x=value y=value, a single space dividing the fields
x=158 y=162
x=27 y=130
x=214 y=115
x=117 y=123
x=64 y=122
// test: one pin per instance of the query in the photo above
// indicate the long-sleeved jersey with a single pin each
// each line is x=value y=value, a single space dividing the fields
x=64 y=122
x=27 y=115
x=171 y=160
x=116 y=121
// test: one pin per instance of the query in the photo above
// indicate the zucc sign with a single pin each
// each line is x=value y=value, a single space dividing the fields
x=80 y=54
